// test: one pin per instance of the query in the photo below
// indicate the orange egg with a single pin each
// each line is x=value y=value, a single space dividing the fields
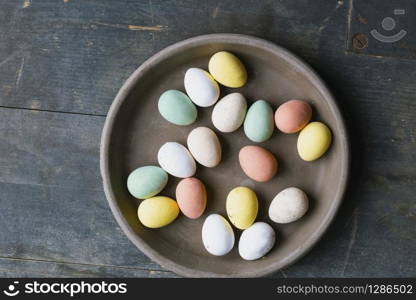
x=292 y=116
x=258 y=163
x=191 y=196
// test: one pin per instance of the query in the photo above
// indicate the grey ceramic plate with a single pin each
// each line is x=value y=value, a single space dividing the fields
x=134 y=131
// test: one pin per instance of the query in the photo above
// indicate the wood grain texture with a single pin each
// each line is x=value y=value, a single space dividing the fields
x=70 y=58
x=33 y=268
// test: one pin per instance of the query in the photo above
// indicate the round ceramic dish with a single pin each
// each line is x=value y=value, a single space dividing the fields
x=134 y=131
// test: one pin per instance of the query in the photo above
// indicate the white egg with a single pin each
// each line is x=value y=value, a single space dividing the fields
x=217 y=235
x=205 y=147
x=175 y=159
x=288 y=206
x=256 y=241
x=201 y=87
x=229 y=113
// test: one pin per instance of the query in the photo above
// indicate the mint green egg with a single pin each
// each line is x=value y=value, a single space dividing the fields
x=146 y=182
x=258 y=124
x=177 y=108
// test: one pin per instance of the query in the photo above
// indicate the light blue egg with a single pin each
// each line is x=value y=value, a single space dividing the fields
x=258 y=124
x=147 y=181
x=177 y=108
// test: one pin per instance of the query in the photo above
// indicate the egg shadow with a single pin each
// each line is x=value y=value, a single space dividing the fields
x=226 y=153
x=262 y=213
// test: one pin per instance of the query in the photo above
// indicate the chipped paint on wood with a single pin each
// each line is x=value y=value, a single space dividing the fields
x=150 y=28
x=132 y=27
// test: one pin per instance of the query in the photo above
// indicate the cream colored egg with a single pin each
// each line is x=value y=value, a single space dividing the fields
x=205 y=147
x=175 y=159
x=201 y=87
x=228 y=114
x=217 y=235
x=288 y=206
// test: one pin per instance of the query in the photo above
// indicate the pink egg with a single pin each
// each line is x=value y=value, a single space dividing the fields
x=292 y=116
x=191 y=196
x=258 y=163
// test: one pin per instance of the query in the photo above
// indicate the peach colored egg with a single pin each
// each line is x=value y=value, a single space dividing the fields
x=292 y=116
x=258 y=163
x=191 y=196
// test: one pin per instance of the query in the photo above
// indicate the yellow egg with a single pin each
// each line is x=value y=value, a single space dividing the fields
x=227 y=69
x=313 y=141
x=157 y=211
x=242 y=207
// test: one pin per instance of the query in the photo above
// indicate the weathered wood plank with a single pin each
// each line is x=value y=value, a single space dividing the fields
x=32 y=268
x=70 y=56
x=52 y=203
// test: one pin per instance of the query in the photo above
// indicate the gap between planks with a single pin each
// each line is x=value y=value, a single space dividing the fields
x=52 y=111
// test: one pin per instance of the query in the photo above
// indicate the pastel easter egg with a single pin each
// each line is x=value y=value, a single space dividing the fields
x=217 y=235
x=146 y=182
x=292 y=116
x=175 y=159
x=191 y=196
x=256 y=241
x=258 y=124
x=227 y=69
x=313 y=141
x=201 y=87
x=157 y=211
x=242 y=207
x=258 y=163
x=204 y=146
x=288 y=206
x=228 y=114
x=177 y=108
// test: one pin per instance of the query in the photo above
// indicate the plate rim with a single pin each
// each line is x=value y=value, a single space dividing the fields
x=129 y=85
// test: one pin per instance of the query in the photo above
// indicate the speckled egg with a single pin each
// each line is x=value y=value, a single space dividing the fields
x=288 y=206
x=191 y=196
x=258 y=163
x=228 y=114
x=292 y=116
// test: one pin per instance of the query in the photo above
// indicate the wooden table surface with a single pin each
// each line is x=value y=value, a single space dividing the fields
x=62 y=63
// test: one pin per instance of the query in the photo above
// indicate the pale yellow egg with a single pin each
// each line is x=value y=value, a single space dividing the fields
x=313 y=141
x=227 y=69
x=242 y=207
x=157 y=211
